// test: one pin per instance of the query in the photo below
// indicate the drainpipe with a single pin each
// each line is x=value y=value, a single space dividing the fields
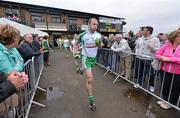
x=46 y=13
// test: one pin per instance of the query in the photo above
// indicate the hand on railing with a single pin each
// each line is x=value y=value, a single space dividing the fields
x=113 y=50
x=42 y=51
x=24 y=77
x=17 y=79
x=165 y=58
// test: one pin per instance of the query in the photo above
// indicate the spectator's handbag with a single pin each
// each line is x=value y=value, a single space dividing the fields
x=156 y=64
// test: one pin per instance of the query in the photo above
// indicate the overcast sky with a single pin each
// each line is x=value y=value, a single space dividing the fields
x=163 y=15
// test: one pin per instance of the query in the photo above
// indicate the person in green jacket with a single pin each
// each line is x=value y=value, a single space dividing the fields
x=45 y=48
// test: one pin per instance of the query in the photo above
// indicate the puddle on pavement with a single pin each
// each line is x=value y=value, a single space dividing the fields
x=52 y=93
x=137 y=96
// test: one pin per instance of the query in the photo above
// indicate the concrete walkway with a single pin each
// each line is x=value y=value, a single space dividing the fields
x=67 y=98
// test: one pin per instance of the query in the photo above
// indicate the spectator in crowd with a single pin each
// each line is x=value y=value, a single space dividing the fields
x=66 y=45
x=105 y=41
x=10 y=60
x=137 y=36
x=131 y=40
x=105 y=52
x=111 y=57
x=36 y=42
x=111 y=40
x=146 y=46
x=169 y=53
x=140 y=32
x=163 y=38
x=121 y=45
x=14 y=17
x=45 y=49
x=26 y=49
x=59 y=42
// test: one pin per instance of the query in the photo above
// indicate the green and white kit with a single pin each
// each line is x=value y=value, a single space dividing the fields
x=85 y=39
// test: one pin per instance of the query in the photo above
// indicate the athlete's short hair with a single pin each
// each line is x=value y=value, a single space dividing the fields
x=89 y=21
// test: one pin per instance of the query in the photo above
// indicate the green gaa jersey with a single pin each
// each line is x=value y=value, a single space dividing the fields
x=87 y=38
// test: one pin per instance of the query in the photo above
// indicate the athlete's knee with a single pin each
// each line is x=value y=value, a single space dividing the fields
x=89 y=77
x=90 y=81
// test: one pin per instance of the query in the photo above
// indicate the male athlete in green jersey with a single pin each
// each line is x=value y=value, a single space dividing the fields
x=89 y=40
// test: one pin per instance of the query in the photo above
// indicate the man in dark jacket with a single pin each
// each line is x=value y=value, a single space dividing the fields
x=36 y=43
x=105 y=41
x=27 y=50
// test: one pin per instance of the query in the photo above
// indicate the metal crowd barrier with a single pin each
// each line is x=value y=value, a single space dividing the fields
x=139 y=72
x=19 y=107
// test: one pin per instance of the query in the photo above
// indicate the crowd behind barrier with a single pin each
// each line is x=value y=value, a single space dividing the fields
x=19 y=106
x=142 y=74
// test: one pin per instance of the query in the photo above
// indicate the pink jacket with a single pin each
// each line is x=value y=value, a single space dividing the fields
x=173 y=65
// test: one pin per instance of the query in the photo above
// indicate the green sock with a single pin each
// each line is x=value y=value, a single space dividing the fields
x=91 y=99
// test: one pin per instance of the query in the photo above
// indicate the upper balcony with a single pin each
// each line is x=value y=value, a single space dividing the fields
x=74 y=27
x=50 y=26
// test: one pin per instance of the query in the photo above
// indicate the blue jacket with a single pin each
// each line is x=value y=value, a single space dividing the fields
x=10 y=60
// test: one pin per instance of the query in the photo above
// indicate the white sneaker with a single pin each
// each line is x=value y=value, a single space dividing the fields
x=160 y=102
x=152 y=88
x=165 y=106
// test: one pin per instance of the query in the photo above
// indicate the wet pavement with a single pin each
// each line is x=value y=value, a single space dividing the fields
x=66 y=95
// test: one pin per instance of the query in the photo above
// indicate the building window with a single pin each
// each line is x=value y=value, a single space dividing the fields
x=110 y=24
x=73 y=24
x=37 y=17
x=13 y=14
x=119 y=27
x=63 y=20
x=85 y=21
x=56 y=19
x=72 y=20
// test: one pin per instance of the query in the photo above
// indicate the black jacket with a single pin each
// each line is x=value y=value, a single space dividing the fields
x=6 y=90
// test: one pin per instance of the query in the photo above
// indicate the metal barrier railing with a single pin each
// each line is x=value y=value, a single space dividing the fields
x=33 y=68
x=138 y=70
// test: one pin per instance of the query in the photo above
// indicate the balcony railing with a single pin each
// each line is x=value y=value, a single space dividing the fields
x=74 y=27
x=65 y=27
x=50 y=26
